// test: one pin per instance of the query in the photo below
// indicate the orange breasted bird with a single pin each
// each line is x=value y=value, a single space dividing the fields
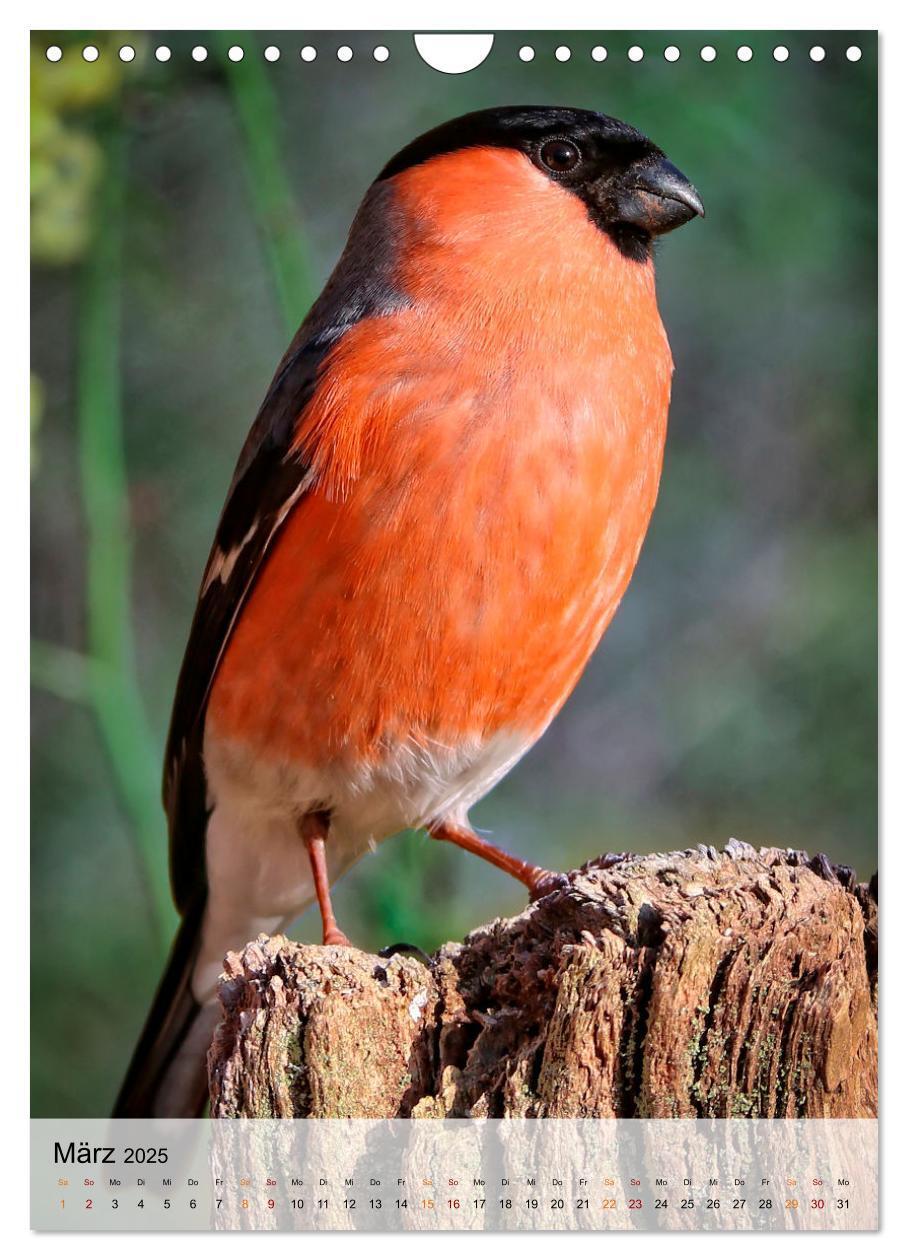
x=432 y=521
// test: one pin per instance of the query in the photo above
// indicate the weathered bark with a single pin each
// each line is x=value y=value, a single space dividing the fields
x=686 y=984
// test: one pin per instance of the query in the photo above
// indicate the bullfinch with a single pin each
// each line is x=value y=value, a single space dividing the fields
x=432 y=521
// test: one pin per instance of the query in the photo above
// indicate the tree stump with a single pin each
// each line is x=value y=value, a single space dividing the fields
x=694 y=984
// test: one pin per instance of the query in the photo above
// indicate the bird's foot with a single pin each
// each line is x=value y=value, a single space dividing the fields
x=334 y=936
x=545 y=882
x=538 y=880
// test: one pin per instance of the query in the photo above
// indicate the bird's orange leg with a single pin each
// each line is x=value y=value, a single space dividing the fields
x=537 y=879
x=313 y=828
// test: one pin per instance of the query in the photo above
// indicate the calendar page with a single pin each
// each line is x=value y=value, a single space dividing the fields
x=454 y=773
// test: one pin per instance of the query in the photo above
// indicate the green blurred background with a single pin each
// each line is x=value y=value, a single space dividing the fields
x=184 y=216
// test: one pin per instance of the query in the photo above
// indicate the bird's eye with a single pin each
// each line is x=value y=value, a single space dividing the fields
x=559 y=156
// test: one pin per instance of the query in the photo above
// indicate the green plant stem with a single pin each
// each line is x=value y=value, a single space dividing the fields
x=113 y=687
x=272 y=198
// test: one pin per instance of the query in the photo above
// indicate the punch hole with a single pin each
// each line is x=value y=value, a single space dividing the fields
x=562 y=53
x=272 y=53
x=127 y=53
x=308 y=53
x=635 y=53
x=526 y=53
x=381 y=53
x=672 y=53
x=780 y=53
x=745 y=53
x=345 y=53
x=707 y=53
x=599 y=53
x=817 y=53
x=853 y=53
x=235 y=53
x=162 y=52
x=199 y=53
x=54 y=53
x=453 y=54
x=90 y=52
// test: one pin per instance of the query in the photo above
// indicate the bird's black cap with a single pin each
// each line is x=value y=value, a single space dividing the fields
x=515 y=127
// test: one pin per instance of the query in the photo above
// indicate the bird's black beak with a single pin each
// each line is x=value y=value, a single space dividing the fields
x=656 y=197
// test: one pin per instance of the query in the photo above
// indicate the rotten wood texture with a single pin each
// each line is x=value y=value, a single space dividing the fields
x=740 y=983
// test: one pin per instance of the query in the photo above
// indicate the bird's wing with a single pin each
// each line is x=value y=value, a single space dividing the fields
x=270 y=478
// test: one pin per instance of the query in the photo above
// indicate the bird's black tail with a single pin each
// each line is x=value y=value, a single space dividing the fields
x=168 y=1072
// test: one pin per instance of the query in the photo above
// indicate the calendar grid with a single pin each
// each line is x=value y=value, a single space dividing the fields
x=391 y=1175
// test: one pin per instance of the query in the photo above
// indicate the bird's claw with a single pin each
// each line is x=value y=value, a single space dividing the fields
x=548 y=882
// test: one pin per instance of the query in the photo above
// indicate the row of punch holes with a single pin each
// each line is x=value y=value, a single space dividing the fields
x=526 y=53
